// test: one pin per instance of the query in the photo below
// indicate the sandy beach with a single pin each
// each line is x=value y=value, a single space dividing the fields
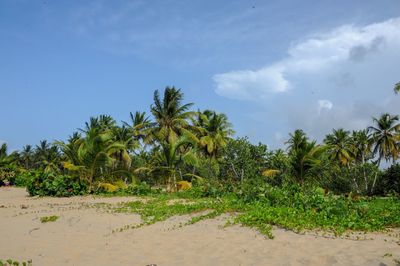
x=83 y=235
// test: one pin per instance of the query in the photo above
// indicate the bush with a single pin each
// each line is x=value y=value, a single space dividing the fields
x=7 y=175
x=50 y=184
x=389 y=181
x=106 y=188
x=243 y=160
x=22 y=179
x=141 y=189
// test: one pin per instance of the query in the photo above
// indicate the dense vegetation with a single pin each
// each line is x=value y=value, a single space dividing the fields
x=310 y=184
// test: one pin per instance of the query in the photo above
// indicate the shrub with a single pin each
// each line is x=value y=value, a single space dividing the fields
x=50 y=184
x=46 y=219
x=22 y=178
x=106 y=188
x=7 y=176
x=141 y=189
x=243 y=160
x=184 y=185
x=389 y=181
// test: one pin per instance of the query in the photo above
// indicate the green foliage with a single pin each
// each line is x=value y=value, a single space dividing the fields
x=22 y=178
x=11 y=262
x=7 y=175
x=242 y=160
x=290 y=207
x=46 y=219
x=51 y=184
x=389 y=182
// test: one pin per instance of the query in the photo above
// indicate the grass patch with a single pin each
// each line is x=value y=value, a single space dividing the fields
x=11 y=262
x=46 y=219
x=327 y=213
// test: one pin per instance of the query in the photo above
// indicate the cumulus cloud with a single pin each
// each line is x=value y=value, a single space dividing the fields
x=316 y=55
x=341 y=78
x=252 y=85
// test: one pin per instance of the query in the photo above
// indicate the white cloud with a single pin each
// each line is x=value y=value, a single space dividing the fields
x=321 y=54
x=249 y=84
x=324 y=104
x=338 y=79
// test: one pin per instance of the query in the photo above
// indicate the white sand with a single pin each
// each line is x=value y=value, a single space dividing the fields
x=83 y=236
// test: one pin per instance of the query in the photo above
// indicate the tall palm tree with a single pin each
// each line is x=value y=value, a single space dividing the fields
x=93 y=156
x=26 y=157
x=297 y=140
x=304 y=155
x=47 y=157
x=361 y=146
x=101 y=123
x=385 y=139
x=139 y=125
x=4 y=159
x=340 y=146
x=171 y=116
x=124 y=137
x=168 y=157
x=215 y=131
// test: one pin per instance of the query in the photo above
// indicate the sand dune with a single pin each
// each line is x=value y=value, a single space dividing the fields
x=83 y=236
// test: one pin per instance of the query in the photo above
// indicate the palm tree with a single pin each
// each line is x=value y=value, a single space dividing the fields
x=139 y=125
x=385 y=139
x=26 y=157
x=168 y=157
x=171 y=116
x=215 y=131
x=4 y=160
x=304 y=155
x=47 y=157
x=298 y=140
x=385 y=136
x=93 y=156
x=101 y=123
x=361 y=146
x=340 y=146
x=124 y=137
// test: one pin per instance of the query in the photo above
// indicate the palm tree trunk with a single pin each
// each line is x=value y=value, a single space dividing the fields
x=355 y=181
x=174 y=180
x=376 y=175
x=364 y=173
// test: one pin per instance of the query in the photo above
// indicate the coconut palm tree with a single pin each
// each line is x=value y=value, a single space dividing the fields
x=361 y=146
x=101 y=123
x=297 y=140
x=47 y=157
x=4 y=159
x=93 y=156
x=214 y=132
x=171 y=116
x=123 y=136
x=339 y=146
x=304 y=156
x=139 y=125
x=26 y=157
x=168 y=157
x=385 y=137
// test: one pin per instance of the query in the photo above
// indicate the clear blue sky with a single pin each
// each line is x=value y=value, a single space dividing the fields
x=271 y=66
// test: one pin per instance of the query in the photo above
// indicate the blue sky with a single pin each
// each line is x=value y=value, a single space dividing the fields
x=271 y=66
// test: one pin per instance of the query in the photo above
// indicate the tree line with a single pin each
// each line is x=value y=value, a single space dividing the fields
x=173 y=143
